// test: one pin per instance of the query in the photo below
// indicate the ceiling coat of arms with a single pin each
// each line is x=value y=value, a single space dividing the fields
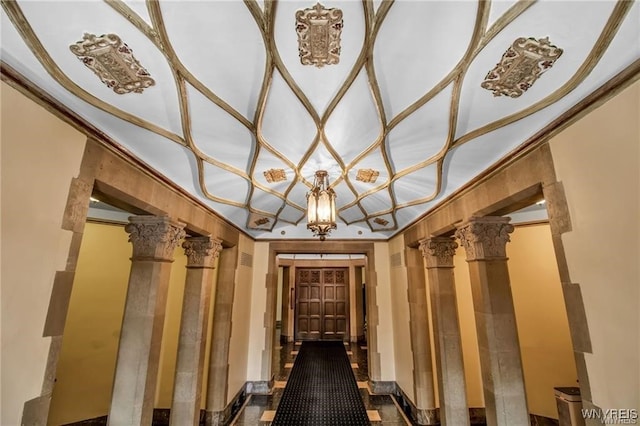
x=319 y=31
x=113 y=62
x=521 y=65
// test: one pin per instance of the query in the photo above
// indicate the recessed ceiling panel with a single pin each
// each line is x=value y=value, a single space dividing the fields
x=344 y=195
x=377 y=202
x=298 y=195
x=291 y=214
x=417 y=185
x=418 y=45
x=574 y=33
x=320 y=85
x=352 y=214
x=265 y=202
x=290 y=133
x=217 y=134
x=157 y=105
x=354 y=125
x=226 y=55
x=225 y=185
x=422 y=135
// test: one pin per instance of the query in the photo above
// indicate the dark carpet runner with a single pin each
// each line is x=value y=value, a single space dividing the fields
x=321 y=389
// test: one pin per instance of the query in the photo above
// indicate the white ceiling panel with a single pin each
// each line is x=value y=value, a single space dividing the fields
x=226 y=55
x=72 y=21
x=225 y=185
x=217 y=134
x=572 y=32
x=349 y=128
x=352 y=214
x=421 y=135
x=419 y=43
x=417 y=185
x=320 y=85
x=291 y=214
x=265 y=202
x=286 y=126
x=377 y=202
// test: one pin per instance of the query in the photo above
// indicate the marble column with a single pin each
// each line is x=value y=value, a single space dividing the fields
x=201 y=253
x=420 y=342
x=154 y=240
x=484 y=240
x=218 y=382
x=438 y=253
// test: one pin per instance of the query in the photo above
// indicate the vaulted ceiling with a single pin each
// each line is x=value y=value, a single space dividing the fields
x=240 y=103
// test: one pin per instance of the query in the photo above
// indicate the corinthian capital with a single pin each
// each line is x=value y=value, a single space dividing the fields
x=201 y=251
x=485 y=238
x=438 y=251
x=154 y=237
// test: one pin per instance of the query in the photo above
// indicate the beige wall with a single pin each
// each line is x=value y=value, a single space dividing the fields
x=541 y=316
x=385 y=316
x=258 y=300
x=240 y=324
x=401 y=332
x=171 y=330
x=468 y=336
x=40 y=155
x=90 y=345
x=598 y=162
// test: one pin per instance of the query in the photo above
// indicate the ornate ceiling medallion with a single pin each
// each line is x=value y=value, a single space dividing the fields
x=275 y=175
x=257 y=221
x=367 y=175
x=521 y=65
x=319 y=32
x=113 y=62
x=381 y=221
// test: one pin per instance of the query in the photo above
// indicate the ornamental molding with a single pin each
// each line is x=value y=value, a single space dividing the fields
x=319 y=31
x=438 y=251
x=113 y=62
x=275 y=175
x=521 y=65
x=201 y=251
x=154 y=237
x=381 y=221
x=485 y=238
x=367 y=175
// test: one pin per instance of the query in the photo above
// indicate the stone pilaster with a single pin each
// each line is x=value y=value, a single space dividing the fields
x=154 y=240
x=484 y=240
x=420 y=342
x=438 y=253
x=218 y=381
x=201 y=253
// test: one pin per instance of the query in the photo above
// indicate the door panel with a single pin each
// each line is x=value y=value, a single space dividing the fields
x=321 y=303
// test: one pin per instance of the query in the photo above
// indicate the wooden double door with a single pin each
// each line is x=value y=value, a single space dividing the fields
x=322 y=304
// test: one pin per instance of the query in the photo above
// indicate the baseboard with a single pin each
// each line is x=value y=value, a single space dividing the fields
x=223 y=417
x=380 y=387
x=160 y=418
x=260 y=387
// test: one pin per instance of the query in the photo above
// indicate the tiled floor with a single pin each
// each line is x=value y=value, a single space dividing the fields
x=260 y=409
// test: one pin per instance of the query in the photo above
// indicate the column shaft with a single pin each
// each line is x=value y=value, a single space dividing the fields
x=201 y=253
x=420 y=341
x=485 y=241
x=218 y=382
x=154 y=240
x=439 y=254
